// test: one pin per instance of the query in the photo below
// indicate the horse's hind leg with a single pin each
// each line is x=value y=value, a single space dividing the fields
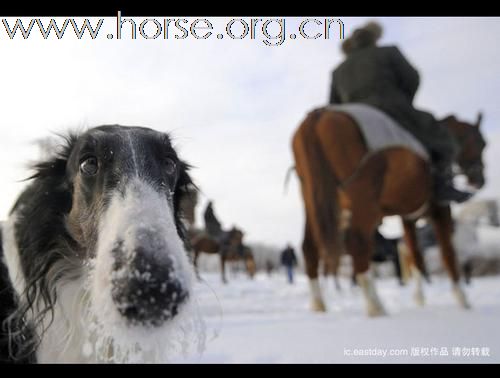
x=417 y=265
x=443 y=226
x=311 y=258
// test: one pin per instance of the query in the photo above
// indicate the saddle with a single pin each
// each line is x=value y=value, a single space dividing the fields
x=380 y=130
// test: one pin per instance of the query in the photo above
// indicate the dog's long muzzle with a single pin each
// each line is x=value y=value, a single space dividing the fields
x=145 y=285
x=150 y=273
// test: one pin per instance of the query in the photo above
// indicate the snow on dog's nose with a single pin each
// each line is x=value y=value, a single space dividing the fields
x=142 y=273
x=145 y=288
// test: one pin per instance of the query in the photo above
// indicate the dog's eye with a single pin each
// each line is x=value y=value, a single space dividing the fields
x=89 y=166
x=170 y=167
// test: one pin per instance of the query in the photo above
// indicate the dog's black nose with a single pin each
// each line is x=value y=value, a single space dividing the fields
x=146 y=290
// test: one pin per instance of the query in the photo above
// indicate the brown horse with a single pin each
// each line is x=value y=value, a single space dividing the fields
x=230 y=251
x=347 y=191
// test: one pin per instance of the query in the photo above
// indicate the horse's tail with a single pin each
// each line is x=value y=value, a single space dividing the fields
x=287 y=178
x=319 y=186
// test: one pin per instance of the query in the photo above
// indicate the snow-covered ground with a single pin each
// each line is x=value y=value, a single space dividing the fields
x=266 y=320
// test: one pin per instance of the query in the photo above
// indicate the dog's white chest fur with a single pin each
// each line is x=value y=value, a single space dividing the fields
x=62 y=341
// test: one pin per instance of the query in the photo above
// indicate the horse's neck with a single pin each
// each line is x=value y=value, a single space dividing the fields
x=456 y=129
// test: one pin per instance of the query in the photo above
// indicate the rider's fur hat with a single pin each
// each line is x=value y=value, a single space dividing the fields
x=365 y=36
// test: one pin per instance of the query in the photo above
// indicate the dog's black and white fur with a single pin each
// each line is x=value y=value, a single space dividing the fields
x=93 y=259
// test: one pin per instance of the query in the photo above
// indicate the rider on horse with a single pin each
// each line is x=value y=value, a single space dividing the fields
x=380 y=76
x=212 y=224
x=214 y=228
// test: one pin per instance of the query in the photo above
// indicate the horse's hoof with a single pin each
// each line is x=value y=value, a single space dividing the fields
x=463 y=302
x=318 y=306
x=419 y=299
x=461 y=298
x=466 y=305
x=374 y=312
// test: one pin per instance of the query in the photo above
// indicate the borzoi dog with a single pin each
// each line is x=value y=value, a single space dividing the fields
x=95 y=263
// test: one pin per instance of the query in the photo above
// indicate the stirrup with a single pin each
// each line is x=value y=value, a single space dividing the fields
x=445 y=196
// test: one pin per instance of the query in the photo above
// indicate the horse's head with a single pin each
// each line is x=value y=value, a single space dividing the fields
x=235 y=237
x=471 y=145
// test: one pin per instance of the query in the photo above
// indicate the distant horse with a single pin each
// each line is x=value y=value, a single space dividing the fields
x=347 y=191
x=232 y=249
x=244 y=253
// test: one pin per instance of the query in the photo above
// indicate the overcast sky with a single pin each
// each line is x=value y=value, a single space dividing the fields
x=231 y=105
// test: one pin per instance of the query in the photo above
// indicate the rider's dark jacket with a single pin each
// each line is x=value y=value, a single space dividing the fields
x=382 y=77
x=212 y=224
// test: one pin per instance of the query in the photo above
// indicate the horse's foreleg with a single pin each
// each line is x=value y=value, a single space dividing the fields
x=195 y=263
x=443 y=226
x=223 y=269
x=360 y=245
x=416 y=260
x=404 y=261
x=374 y=306
x=337 y=283
x=397 y=268
x=311 y=258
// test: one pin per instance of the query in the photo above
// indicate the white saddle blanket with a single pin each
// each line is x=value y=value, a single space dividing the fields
x=379 y=130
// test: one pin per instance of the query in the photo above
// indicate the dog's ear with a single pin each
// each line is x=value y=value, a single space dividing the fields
x=183 y=190
x=184 y=180
x=39 y=213
x=51 y=175
x=55 y=165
